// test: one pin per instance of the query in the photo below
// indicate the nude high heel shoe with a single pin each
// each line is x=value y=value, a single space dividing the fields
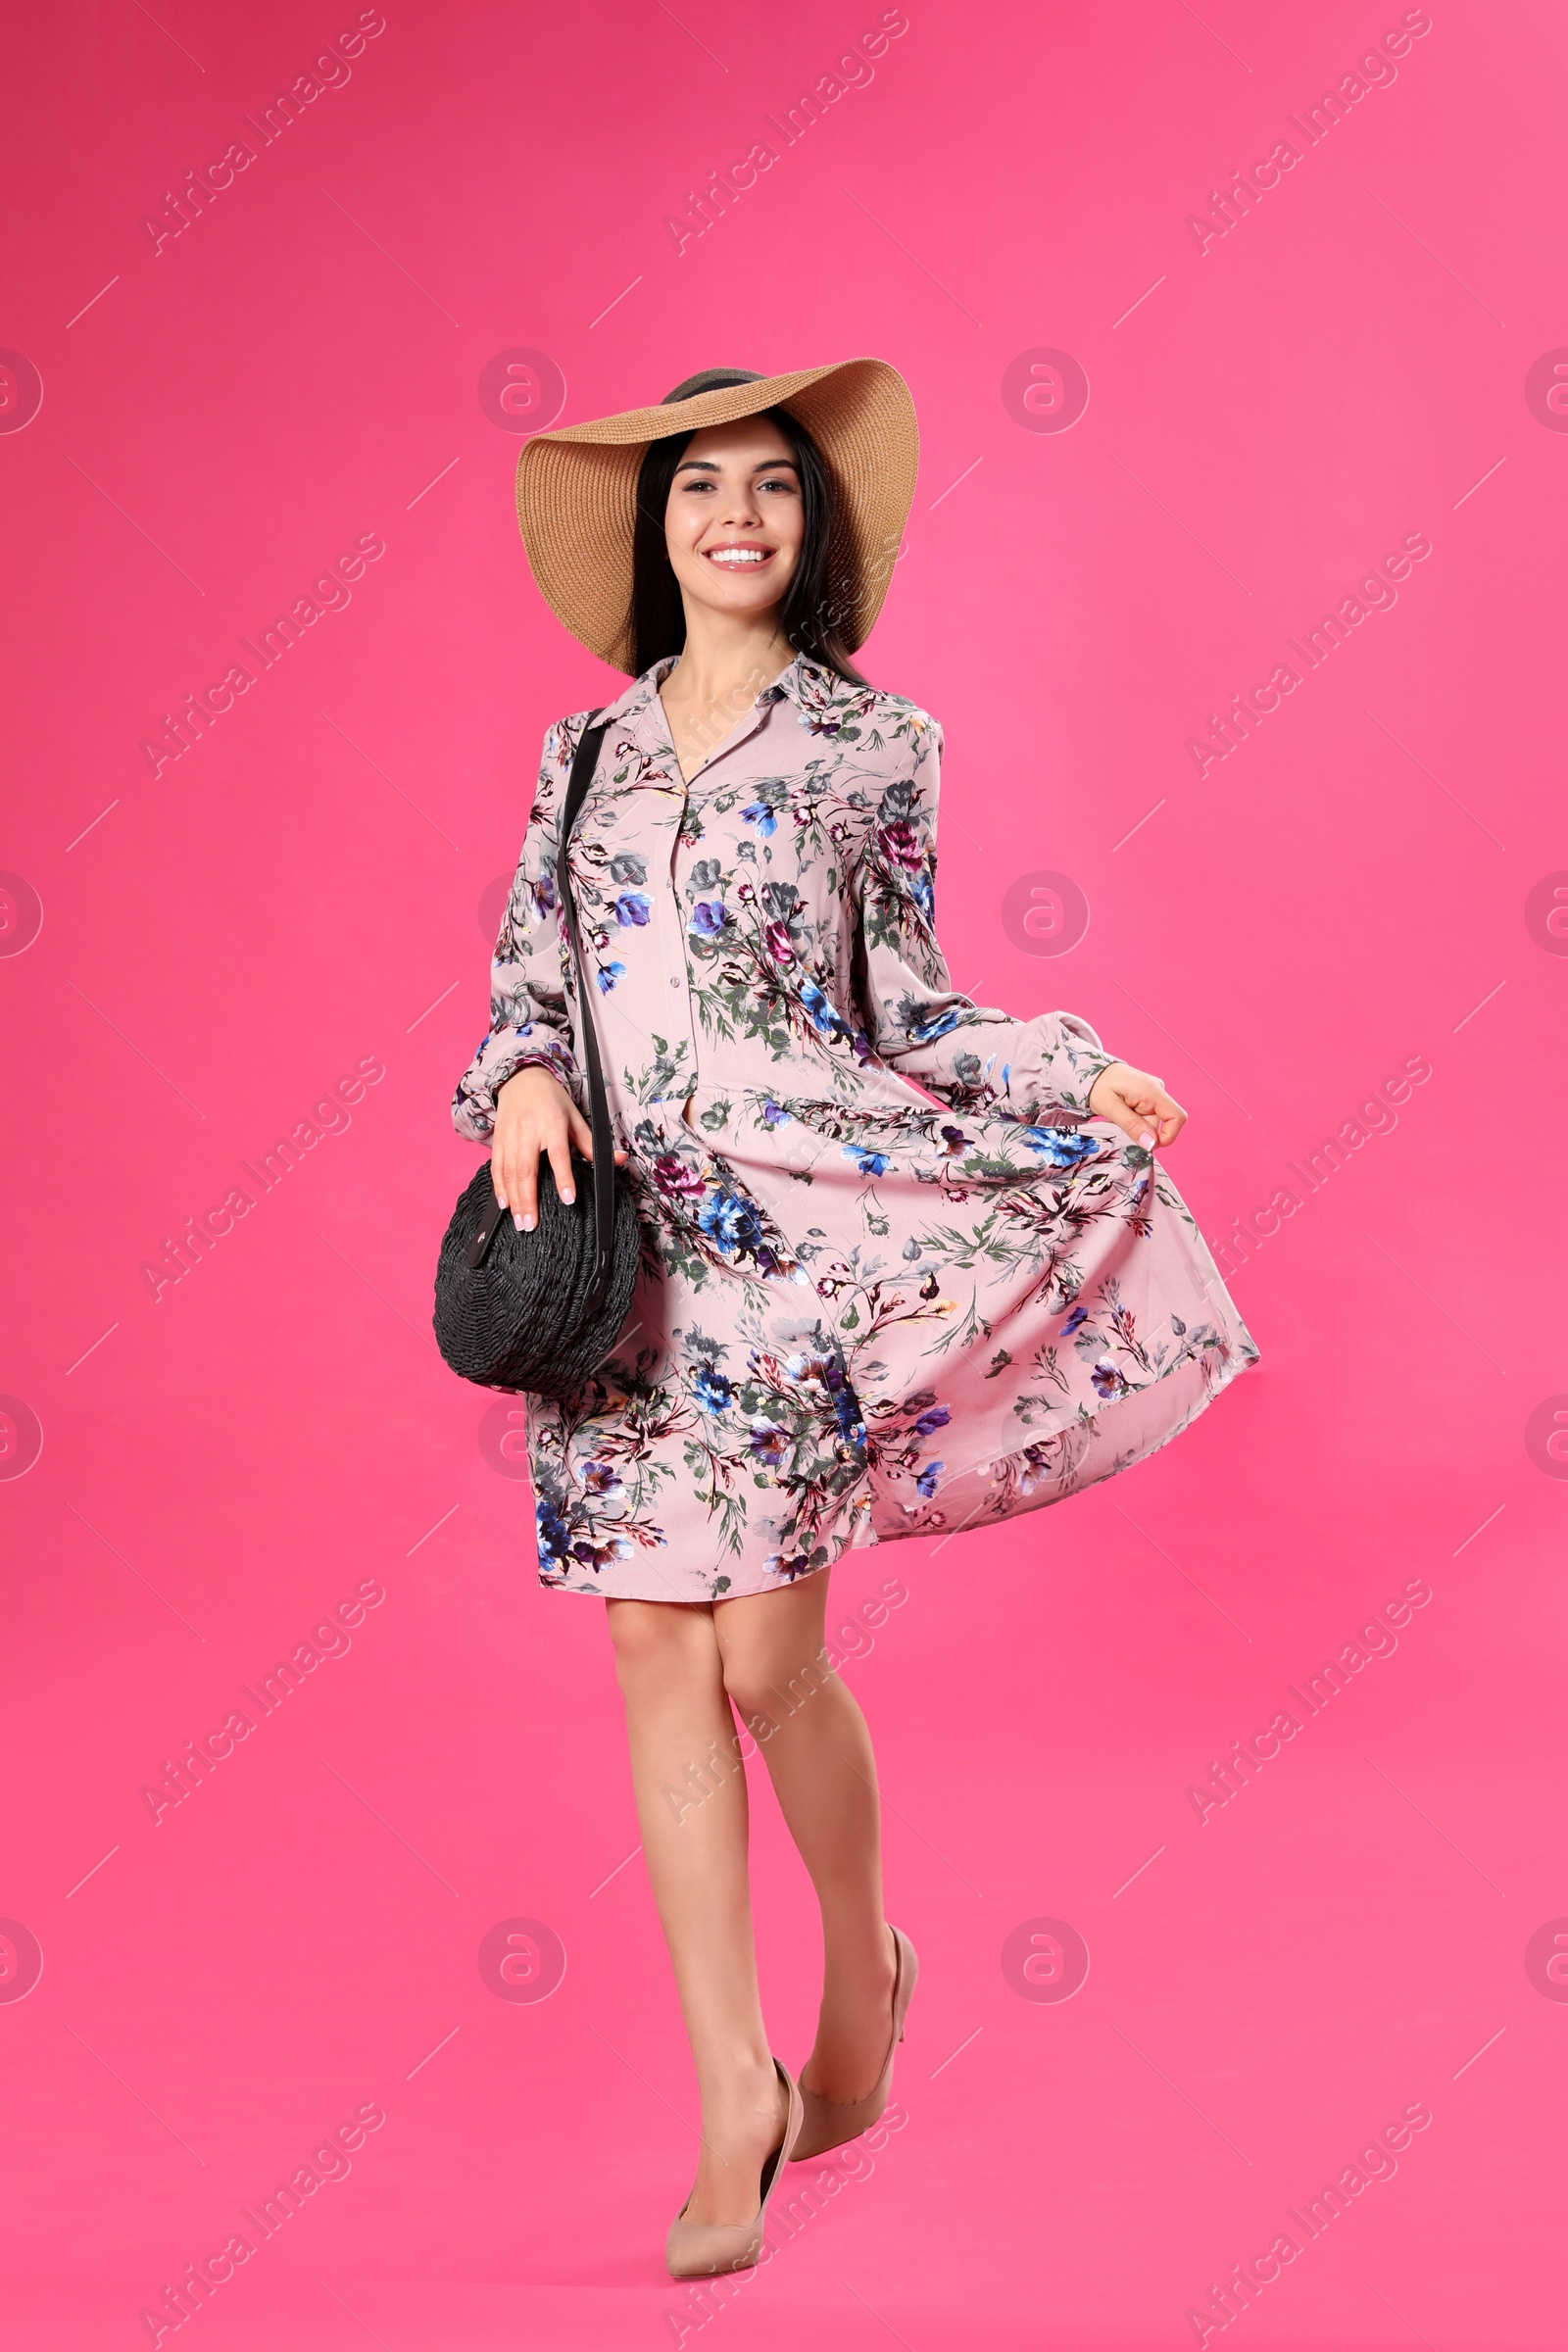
x=828 y=2122
x=703 y=2249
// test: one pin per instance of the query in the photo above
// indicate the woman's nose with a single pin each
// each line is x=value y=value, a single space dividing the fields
x=742 y=508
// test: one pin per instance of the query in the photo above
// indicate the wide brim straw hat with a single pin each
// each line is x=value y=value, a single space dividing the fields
x=578 y=487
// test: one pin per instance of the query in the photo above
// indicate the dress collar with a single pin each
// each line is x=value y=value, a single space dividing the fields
x=812 y=688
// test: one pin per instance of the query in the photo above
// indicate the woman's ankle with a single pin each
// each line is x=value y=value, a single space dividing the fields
x=865 y=1962
x=740 y=2130
x=741 y=2087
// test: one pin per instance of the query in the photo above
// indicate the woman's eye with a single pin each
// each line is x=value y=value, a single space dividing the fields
x=786 y=487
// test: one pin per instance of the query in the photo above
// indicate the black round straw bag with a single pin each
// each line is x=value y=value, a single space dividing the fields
x=539 y=1311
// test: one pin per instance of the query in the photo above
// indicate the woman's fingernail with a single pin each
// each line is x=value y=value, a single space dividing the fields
x=1146 y=1138
x=568 y=1196
x=526 y=1224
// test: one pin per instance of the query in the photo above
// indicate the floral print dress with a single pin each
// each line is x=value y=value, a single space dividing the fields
x=895 y=1279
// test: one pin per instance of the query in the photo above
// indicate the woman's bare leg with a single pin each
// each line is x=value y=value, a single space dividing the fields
x=819 y=1753
x=691 y=1805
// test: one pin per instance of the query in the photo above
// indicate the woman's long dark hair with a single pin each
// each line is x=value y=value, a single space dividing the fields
x=658 y=616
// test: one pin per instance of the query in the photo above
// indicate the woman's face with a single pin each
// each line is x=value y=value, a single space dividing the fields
x=734 y=525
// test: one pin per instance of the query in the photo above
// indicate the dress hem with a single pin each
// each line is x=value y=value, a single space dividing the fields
x=1005 y=1496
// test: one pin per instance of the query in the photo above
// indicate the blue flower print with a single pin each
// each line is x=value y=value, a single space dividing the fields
x=826 y=1016
x=926 y=1482
x=1060 y=1146
x=760 y=814
x=555 y=1538
x=925 y=1027
x=1080 y=1314
x=869 y=1163
x=715 y=1390
x=732 y=1224
x=608 y=974
x=769 y=1443
x=826 y=1367
x=709 y=917
x=847 y=1411
x=632 y=907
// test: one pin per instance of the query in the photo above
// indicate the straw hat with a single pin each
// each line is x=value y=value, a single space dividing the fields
x=576 y=489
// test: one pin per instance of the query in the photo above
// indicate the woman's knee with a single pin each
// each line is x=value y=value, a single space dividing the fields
x=659 y=1643
x=769 y=1680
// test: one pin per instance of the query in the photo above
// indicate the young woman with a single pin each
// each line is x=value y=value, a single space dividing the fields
x=909 y=1264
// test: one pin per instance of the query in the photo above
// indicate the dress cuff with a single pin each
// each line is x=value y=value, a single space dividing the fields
x=474 y=1109
x=1053 y=1068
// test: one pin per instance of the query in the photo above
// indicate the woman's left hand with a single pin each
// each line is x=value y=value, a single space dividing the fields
x=1137 y=1103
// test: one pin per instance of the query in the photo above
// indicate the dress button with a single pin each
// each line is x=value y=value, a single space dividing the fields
x=674 y=983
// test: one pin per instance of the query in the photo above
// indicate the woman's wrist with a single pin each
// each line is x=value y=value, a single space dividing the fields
x=1107 y=1070
x=522 y=1070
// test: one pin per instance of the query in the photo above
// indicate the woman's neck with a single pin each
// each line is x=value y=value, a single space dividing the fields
x=724 y=665
x=726 y=661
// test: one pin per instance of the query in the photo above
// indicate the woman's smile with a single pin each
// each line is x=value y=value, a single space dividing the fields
x=735 y=555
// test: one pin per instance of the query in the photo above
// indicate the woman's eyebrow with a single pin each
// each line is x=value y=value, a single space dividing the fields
x=762 y=465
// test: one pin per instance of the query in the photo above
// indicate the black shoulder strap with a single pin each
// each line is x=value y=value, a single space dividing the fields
x=604 y=1160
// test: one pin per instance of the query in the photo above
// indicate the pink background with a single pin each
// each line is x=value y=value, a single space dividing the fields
x=300 y=892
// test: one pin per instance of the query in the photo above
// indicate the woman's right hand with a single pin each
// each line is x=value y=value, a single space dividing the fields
x=534 y=1113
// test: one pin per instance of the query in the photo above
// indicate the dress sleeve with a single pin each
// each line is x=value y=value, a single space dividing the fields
x=972 y=1057
x=529 y=1019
